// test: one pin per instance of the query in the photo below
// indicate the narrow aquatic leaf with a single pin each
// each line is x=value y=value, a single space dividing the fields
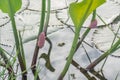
x=80 y=11
x=15 y=5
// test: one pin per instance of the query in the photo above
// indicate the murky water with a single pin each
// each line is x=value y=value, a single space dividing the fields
x=28 y=20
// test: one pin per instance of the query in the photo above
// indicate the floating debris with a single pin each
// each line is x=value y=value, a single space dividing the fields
x=61 y=44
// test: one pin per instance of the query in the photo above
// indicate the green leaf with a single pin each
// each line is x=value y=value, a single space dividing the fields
x=5 y=5
x=80 y=11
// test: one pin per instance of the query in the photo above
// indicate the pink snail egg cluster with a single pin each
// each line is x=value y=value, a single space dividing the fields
x=41 y=40
x=93 y=24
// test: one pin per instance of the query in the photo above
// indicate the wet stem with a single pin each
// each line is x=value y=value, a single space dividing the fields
x=75 y=45
x=35 y=55
x=21 y=59
x=73 y=48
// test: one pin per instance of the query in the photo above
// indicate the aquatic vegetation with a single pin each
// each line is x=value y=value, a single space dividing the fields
x=45 y=45
x=79 y=12
x=11 y=7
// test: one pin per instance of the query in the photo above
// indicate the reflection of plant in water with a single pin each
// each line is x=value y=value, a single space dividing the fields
x=79 y=11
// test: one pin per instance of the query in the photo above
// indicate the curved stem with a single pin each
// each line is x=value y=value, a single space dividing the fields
x=74 y=44
x=72 y=51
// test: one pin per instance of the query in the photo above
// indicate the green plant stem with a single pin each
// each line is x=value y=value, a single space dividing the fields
x=94 y=15
x=72 y=51
x=20 y=59
x=17 y=43
x=42 y=20
x=82 y=38
x=110 y=51
x=86 y=32
x=75 y=45
x=34 y=60
x=8 y=68
x=22 y=50
x=4 y=56
x=111 y=46
x=47 y=16
x=7 y=63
